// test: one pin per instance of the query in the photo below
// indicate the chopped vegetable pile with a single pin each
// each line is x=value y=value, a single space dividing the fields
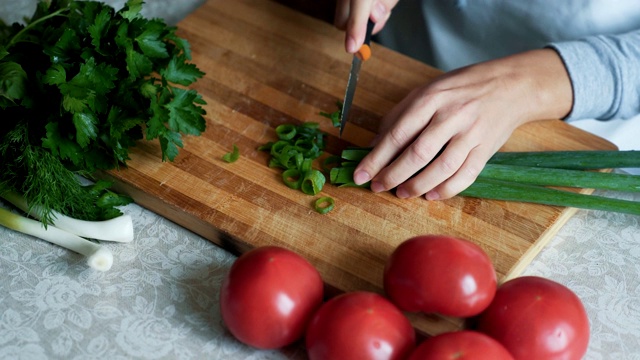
x=295 y=151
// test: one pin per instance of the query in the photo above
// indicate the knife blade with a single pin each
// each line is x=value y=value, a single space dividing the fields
x=358 y=58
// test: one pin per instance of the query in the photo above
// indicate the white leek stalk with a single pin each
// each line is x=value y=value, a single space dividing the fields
x=98 y=257
x=118 y=229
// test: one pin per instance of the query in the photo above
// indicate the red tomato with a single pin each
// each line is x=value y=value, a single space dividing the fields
x=269 y=296
x=359 y=325
x=460 y=345
x=537 y=318
x=440 y=274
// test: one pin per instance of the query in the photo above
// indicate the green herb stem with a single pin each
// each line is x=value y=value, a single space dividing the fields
x=576 y=160
x=561 y=177
x=15 y=38
x=510 y=191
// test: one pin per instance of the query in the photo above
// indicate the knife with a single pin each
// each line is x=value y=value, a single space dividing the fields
x=358 y=58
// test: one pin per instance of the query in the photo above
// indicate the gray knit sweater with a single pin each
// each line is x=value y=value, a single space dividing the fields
x=598 y=40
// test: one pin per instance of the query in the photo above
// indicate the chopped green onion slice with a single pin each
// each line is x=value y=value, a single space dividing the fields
x=308 y=147
x=312 y=182
x=355 y=154
x=324 y=204
x=266 y=147
x=289 y=157
x=306 y=165
x=277 y=147
x=330 y=162
x=310 y=127
x=334 y=116
x=274 y=163
x=292 y=178
x=232 y=156
x=341 y=175
x=286 y=131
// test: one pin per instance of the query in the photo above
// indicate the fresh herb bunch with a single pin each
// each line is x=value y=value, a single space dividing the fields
x=80 y=83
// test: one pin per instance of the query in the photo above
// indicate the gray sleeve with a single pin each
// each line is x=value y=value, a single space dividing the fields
x=605 y=75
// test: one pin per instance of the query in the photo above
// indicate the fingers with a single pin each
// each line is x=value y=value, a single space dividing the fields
x=409 y=118
x=473 y=111
x=352 y=16
x=342 y=14
x=450 y=173
x=459 y=181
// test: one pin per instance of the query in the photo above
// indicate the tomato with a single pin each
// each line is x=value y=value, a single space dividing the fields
x=440 y=274
x=460 y=345
x=537 y=318
x=269 y=296
x=359 y=325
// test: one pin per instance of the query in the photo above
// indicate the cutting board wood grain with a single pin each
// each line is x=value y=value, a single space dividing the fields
x=268 y=65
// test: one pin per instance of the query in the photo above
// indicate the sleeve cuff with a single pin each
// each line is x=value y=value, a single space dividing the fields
x=592 y=77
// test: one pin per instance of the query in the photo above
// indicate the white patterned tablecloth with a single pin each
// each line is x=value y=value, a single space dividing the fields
x=160 y=299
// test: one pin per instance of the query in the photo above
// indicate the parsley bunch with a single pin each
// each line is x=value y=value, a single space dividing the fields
x=80 y=83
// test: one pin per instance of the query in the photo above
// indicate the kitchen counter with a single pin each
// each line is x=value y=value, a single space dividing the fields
x=160 y=299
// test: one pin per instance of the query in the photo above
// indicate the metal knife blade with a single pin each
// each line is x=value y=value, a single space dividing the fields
x=356 y=63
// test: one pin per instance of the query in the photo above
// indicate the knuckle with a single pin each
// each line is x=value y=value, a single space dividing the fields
x=422 y=152
x=398 y=136
x=389 y=180
x=413 y=189
x=449 y=164
x=472 y=171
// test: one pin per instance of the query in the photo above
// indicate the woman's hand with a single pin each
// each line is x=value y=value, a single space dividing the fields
x=352 y=16
x=472 y=111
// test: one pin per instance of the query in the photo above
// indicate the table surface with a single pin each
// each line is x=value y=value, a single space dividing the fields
x=160 y=299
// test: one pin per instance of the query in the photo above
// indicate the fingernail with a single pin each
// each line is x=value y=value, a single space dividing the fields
x=351 y=45
x=360 y=177
x=376 y=187
x=379 y=11
x=432 y=195
x=402 y=193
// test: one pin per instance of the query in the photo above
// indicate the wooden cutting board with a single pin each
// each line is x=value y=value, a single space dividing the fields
x=267 y=65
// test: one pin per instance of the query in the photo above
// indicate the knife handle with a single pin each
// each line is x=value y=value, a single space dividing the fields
x=364 y=52
x=367 y=37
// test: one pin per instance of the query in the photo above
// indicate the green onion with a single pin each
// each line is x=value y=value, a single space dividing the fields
x=266 y=147
x=286 y=131
x=355 y=154
x=324 y=204
x=232 y=156
x=523 y=176
x=561 y=177
x=292 y=178
x=306 y=165
x=277 y=147
x=294 y=152
x=312 y=182
x=334 y=116
x=511 y=191
x=289 y=157
x=577 y=160
x=343 y=177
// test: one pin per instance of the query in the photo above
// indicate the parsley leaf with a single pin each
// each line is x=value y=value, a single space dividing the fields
x=12 y=83
x=180 y=72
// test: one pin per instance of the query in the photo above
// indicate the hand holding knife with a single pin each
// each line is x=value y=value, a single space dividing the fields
x=359 y=57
